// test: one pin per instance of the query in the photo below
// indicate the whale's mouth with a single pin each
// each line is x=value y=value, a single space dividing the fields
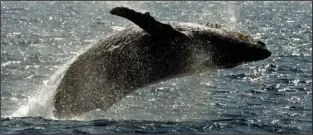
x=266 y=54
x=252 y=56
x=256 y=54
x=254 y=50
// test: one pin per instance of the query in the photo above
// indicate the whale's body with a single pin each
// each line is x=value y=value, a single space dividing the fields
x=135 y=57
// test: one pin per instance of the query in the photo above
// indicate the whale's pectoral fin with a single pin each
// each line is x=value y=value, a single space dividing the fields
x=146 y=22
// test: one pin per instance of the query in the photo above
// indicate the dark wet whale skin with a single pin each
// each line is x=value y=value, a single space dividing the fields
x=133 y=58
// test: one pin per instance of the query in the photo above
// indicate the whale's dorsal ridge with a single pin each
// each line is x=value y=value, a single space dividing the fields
x=147 y=22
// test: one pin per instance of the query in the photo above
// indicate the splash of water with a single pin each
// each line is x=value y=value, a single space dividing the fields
x=232 y=12
x=41 y=102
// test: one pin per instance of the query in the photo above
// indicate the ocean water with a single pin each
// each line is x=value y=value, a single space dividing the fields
x=40 y=39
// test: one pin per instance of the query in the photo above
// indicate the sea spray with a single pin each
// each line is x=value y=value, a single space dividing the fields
x=41 y=103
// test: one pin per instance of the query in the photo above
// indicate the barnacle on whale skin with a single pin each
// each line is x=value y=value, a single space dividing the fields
x=242 y=36
x=217 y=26
x=238 y=34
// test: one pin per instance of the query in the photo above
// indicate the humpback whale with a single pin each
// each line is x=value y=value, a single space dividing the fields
x=147 y=53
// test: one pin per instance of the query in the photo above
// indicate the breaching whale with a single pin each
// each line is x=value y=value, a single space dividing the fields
x=139 y=56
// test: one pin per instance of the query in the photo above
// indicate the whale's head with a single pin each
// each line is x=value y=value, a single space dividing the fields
x=222 y=48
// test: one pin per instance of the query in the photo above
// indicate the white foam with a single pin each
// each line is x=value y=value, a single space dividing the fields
x=41 y=103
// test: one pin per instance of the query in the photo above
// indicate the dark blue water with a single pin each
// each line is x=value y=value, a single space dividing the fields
x=269 y=96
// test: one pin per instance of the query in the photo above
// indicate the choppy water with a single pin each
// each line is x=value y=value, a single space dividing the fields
x=270 y=96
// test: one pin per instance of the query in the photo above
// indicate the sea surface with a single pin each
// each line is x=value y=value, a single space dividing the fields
x=40 y=39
